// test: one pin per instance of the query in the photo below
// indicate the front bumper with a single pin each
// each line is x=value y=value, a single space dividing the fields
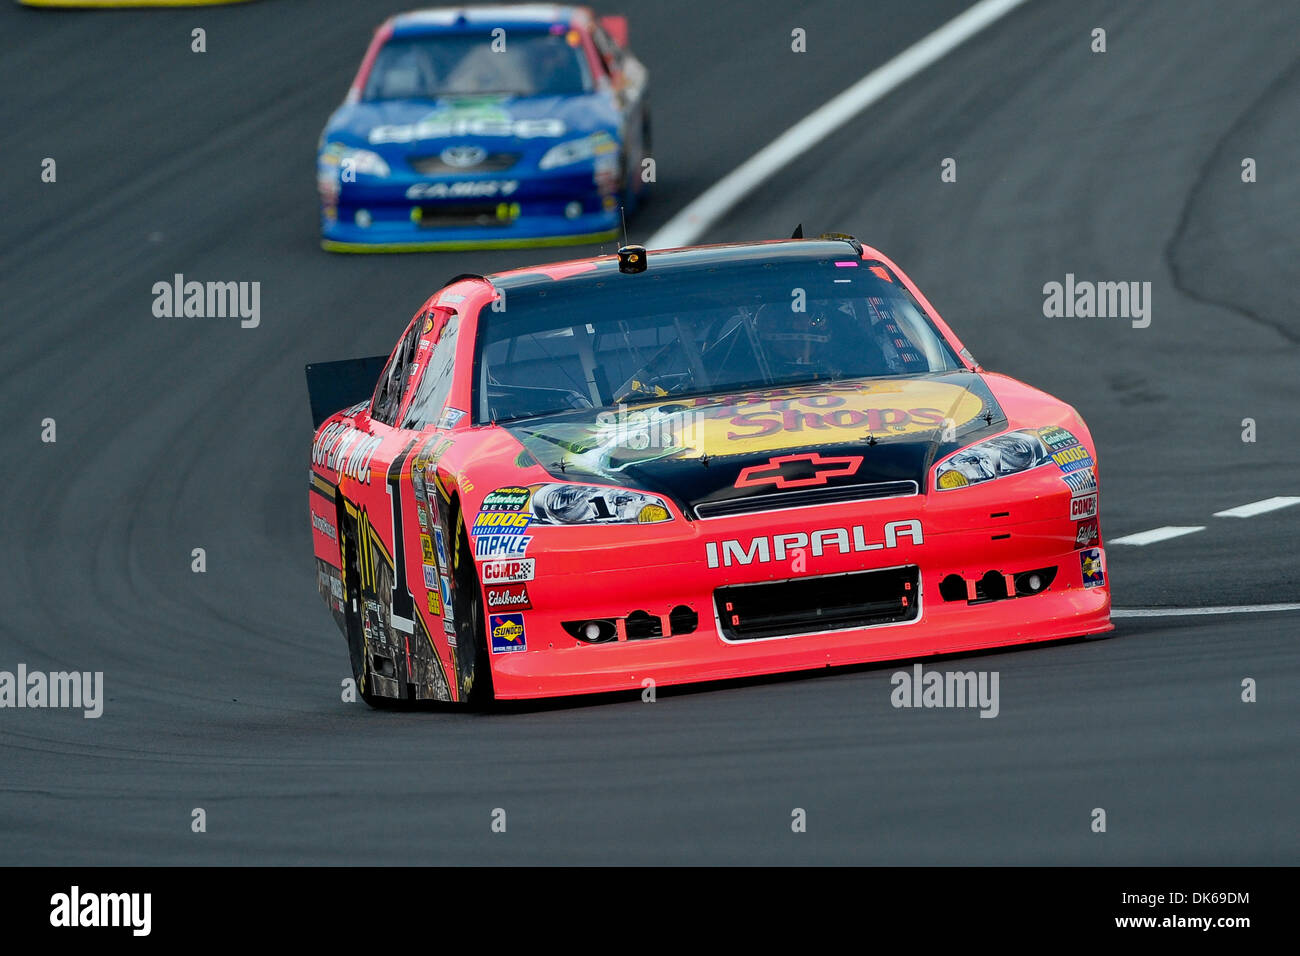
x=577 y=579
x=548 y=211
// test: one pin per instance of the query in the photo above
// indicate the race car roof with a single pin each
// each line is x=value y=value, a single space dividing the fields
x=439 y=19
x=660 y=262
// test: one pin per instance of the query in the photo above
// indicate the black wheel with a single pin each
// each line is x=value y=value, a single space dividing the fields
x=353 y=609
x=473 y=671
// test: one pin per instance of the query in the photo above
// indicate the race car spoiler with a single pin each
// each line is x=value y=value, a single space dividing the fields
x=332 y=386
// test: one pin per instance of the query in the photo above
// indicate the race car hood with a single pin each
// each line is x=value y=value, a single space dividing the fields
x=530 y=125
x=719 y=449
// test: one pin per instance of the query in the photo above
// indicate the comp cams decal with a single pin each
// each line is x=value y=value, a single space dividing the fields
x=508 y=572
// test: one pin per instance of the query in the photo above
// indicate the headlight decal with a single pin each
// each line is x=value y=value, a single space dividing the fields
x=597 y=144
x=1006 y=454
x=352 y=162
x=561 y=503
x=1018 y=451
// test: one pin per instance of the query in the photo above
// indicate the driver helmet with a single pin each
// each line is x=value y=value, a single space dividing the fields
x=802 y=341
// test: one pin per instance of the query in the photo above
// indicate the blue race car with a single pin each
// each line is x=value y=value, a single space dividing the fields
x=486 y=127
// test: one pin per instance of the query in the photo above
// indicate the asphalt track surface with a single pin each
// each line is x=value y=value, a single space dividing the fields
x=223 y=688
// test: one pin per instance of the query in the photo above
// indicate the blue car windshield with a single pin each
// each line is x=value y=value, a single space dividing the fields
x=588 y=342
x=454 y=64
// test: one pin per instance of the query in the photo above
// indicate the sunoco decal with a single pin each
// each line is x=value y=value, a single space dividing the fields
x=507 y=631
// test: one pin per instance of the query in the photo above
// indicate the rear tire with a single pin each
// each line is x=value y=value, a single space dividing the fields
x=360 y=660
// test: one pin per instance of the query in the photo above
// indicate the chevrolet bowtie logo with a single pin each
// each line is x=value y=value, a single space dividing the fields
x=798 y=471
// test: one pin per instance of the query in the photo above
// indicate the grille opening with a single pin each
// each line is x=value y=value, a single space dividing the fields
x=953 y=588
x=435 y=165
x=825 y=603
x=780 y=500
x=642 y=624
x=383 y=665
x=683 y=620
x=464 y=214
x=991 y=587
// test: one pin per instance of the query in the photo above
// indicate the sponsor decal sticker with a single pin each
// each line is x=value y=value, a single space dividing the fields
x=1072 y=459
x=1081 y=482
x=430 y=576
x=512 y=598
x=435 y=602
x=502 y=545
x=506 y=499
x=1057 y=438
x=1083 y=506
x=324 y=527
x=1087 y=534
x=445 y=583
x=509 y=572
x=507 y=632
x=1090 y=563
x=442 y=546
x=501 y=522
x=426 y=548
x=450 y=417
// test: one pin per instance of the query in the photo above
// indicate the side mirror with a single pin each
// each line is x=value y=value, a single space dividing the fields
x=616 y=27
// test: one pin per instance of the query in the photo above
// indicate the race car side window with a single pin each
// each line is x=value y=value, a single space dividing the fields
x=611 y=57
x=434 y=387
x=388 y=391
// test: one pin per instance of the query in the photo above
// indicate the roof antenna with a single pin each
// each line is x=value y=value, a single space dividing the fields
x=623 y=215
x=798 y=232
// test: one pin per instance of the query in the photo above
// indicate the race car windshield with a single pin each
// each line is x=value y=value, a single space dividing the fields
x=429 y=67
x=598 y=343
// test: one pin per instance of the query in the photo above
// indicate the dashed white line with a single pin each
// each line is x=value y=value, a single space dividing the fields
x=1191 y=611
x=714 y=203
x=1258 y=508
x=1156 y=534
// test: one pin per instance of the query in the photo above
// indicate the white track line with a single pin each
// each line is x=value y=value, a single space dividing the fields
x=688 y=225
x=1190 y=611
x=1257 y=508
x=1154 y=535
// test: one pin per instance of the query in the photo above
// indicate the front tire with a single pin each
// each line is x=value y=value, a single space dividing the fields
x=473 y=667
